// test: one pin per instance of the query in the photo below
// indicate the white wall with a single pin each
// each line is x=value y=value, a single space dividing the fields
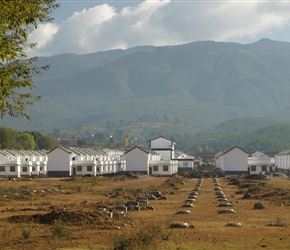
x=161 y=143
x=164 y=147
x=136 y=160
x=236 y=160
x=58 y=160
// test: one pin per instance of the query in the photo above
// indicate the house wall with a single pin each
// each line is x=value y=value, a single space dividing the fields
x=7 y=172
x=282 y=161
x=2 y=157
x=166 y=154
x=161 y=167
x=137 y=160
x=220 y=162
x=236 y=160
x=259 y=169
x=164 y=147
x=161 y=143
x=59 y=163
x=184 y=165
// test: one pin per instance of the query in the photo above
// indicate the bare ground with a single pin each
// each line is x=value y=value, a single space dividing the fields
x=73 y=213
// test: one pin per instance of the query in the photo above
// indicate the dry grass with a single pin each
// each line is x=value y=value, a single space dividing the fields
x=65 y=214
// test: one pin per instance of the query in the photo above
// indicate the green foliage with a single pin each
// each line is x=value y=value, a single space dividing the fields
x=60 y=231
x=11 y=139
x=25 y=234
x=145 y=238
x=18 y=19
x=203 y=83
x=256 y=136
x=43 y=141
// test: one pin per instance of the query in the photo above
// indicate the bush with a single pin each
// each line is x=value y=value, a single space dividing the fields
x=145 y=238
x=59 y=230
x=25 y=234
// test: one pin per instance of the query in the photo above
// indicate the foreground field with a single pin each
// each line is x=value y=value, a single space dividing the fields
x=71 y=214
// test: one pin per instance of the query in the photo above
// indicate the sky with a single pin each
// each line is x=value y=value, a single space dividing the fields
x=83 y=27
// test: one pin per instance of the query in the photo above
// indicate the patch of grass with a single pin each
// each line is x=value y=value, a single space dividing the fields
x=278 y=223
x=144 y=238
x=43 y=203
x=284 y=200
x=25 y=234
x=59 y=230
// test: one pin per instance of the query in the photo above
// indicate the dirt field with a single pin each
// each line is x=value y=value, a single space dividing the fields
x=74 y=213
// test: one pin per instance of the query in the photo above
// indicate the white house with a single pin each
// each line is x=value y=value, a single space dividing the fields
x=144 y=160
x=185 y=162
x=163 y=146
x=22 y=163
x=80 y=161
x=232 y=162
x=259 y=163
x=9 y=164
x=282 y=160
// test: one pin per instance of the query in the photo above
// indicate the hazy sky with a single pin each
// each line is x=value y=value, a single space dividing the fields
x=82 y=27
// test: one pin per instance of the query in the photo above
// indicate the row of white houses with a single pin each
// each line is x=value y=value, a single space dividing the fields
x=19 y=163
x=158 y=158
x=236 y=161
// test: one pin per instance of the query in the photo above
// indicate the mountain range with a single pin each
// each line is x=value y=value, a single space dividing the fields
x=200 y=84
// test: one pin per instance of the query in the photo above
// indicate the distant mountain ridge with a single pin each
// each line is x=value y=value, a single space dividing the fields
x=205 y=83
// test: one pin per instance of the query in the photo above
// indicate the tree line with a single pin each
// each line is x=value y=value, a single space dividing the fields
x=11 y=139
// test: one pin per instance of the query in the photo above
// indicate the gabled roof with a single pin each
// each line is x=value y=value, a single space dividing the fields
x=162 y=138
x=259 y=154
x=64 y=149
x=284 y=152
x=143 y=148
x=232 y=149
x=181 y=155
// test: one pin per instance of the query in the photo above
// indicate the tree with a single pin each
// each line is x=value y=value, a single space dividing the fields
x=126 y=141
x=18 y=18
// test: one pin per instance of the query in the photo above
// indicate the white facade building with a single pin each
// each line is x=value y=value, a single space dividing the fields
x=232 y=162
x=81 y=161
x=17 y=163
x=282 y=160
x=259 y=163
x=163 y=146
x=185 y=162
x=144 y=160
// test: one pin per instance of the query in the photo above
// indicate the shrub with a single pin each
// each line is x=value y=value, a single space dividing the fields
x=145 y=238
x=25 y=234
x=59 y=230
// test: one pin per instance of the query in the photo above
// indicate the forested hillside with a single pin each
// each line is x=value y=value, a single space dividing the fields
x=253 y=134
x=184 y=92
x=202 y=83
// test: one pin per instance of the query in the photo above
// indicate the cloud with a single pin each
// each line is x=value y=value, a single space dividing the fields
x=161 y=22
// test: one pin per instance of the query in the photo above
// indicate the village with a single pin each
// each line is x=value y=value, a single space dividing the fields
x=158 y=158
x=147 y=197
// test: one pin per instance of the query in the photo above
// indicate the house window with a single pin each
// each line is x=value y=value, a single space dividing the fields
x=185 y=164
x=98 y=169
x=2 y=168
x=79 y=168
x=89 y=168
x=41 y=168
x=24 y=169
x=253 y=168
x=155 y=168
x=33 y=168
x=165 y=168
x=12 y=168
x=73 y=158
x=264 y=168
